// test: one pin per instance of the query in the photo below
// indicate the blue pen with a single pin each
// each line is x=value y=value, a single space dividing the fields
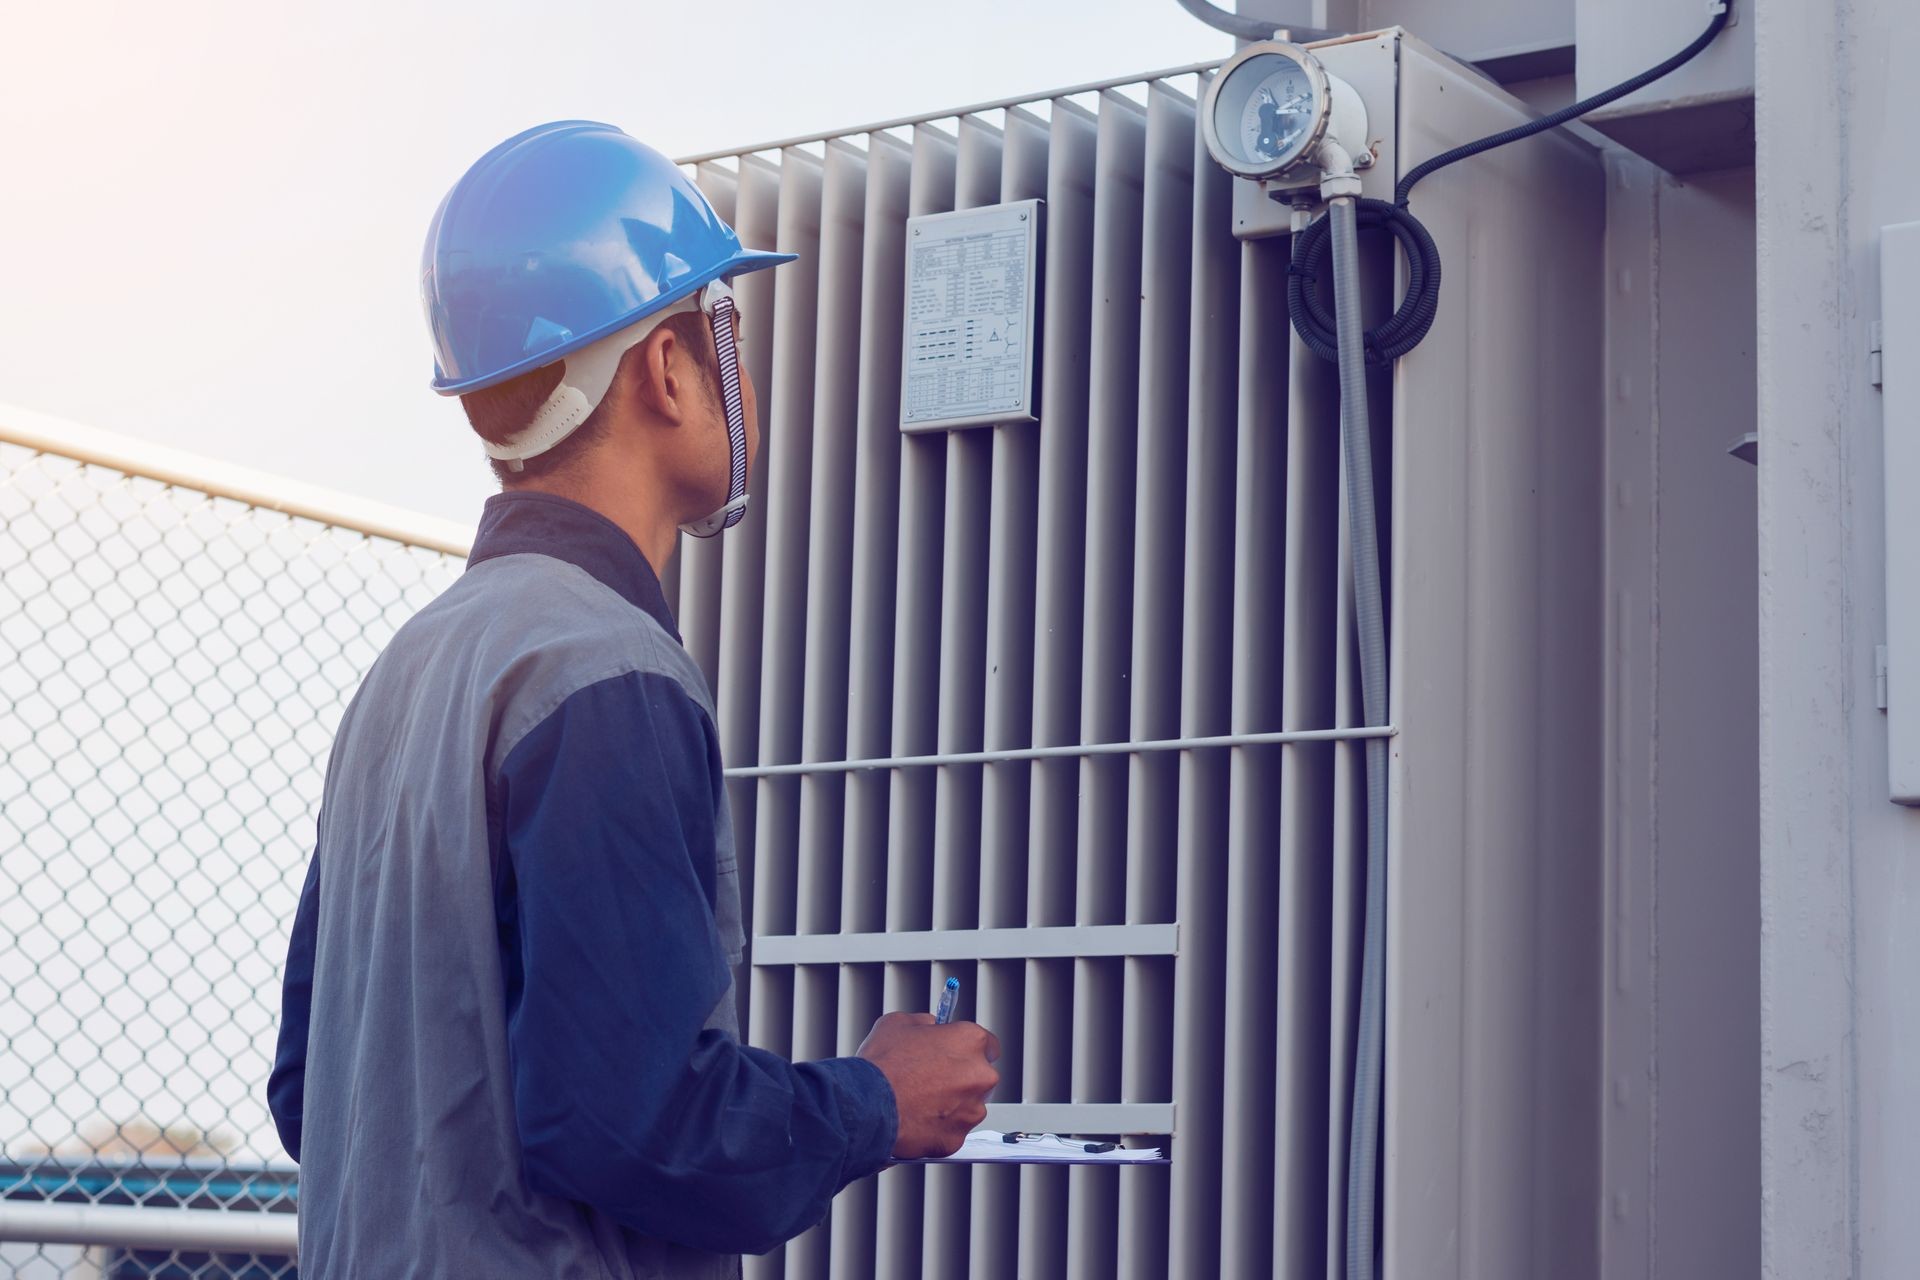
x=944 y=1014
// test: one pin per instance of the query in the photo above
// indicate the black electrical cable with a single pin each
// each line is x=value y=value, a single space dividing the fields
x=1403 y=332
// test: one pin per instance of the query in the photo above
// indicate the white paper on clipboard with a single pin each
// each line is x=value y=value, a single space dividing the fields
x=989 y=1146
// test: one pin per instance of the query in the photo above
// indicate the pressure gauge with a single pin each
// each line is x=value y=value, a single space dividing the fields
x=1268 y=110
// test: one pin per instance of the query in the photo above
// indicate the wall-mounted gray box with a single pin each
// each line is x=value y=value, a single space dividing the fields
x=972 y=317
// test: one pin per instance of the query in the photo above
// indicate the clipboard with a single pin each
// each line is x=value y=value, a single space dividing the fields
x=991 y=1146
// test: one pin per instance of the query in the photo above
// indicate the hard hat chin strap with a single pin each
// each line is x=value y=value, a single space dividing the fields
x=717 y=301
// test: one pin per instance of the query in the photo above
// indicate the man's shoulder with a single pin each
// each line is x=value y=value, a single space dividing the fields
x=519 y=634
x=526 y=602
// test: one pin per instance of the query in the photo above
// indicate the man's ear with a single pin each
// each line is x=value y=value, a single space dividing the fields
x=656 y=374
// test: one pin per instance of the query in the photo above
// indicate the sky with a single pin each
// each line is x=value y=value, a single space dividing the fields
x=214 y=211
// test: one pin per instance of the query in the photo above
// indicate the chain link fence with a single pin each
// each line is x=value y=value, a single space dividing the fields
x=173 y=663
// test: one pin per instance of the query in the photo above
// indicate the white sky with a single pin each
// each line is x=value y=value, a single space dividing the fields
x=213 y=211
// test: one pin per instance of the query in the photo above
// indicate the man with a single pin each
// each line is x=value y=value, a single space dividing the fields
x=508 y=1039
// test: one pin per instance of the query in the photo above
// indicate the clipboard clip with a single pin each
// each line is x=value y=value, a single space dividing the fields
x=1016 y=1136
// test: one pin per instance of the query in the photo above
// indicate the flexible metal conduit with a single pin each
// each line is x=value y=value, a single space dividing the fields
x=1357 y=453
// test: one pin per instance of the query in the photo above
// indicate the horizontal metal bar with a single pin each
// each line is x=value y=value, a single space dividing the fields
x=1081 y=1117
x=127 y=1227
x=47 y=434
x=1052 y=942
x=922 y=117
x=1277 y=738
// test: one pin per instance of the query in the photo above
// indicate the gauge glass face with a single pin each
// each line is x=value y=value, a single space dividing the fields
x=1278 y=114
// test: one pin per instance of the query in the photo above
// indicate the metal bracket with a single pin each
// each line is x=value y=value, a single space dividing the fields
x=1876 y=365
x=1880 y=676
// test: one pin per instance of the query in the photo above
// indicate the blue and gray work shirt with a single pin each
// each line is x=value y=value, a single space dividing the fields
x=508 y=1041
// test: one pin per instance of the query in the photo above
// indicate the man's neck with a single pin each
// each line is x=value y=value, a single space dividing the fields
x=635 y=511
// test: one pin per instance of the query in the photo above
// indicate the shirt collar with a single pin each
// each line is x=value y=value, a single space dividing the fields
x=545 y=524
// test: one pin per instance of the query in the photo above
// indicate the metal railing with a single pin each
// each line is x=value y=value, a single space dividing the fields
x=178 y=640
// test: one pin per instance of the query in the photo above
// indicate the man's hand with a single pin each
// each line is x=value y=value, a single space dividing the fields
x=941 y=1077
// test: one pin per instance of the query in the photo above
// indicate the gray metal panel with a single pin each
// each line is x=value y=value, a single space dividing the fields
x=787 y=446
x=1201 y=891
x=1840 y=1022
x=827 y=587
x=1491 y=1092
x=1682 y=892
x=737 y=688
x=1100 y=864
x=829 y=577
x=1621 y=38
x=993 y=1249
x=1046 y=1054
x=1899 y=340
x=1475 y=31
x=963 y=607
x=1253 y=810
x=1481 y=29
x=1153 y=782
x=787 y=453
x=916 y=641
x=1035 y=587
x=962 y=672
x=874 y=509
x=1008 y=715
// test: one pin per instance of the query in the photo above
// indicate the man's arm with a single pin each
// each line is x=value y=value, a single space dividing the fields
x=614 y=967
x=286 y=1087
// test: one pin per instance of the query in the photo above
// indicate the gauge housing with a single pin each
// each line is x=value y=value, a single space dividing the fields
x=1268 y=110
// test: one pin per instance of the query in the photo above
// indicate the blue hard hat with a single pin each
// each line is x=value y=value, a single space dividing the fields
x=559 y=236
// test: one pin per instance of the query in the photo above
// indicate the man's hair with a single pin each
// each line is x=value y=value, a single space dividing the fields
x=500 y=412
